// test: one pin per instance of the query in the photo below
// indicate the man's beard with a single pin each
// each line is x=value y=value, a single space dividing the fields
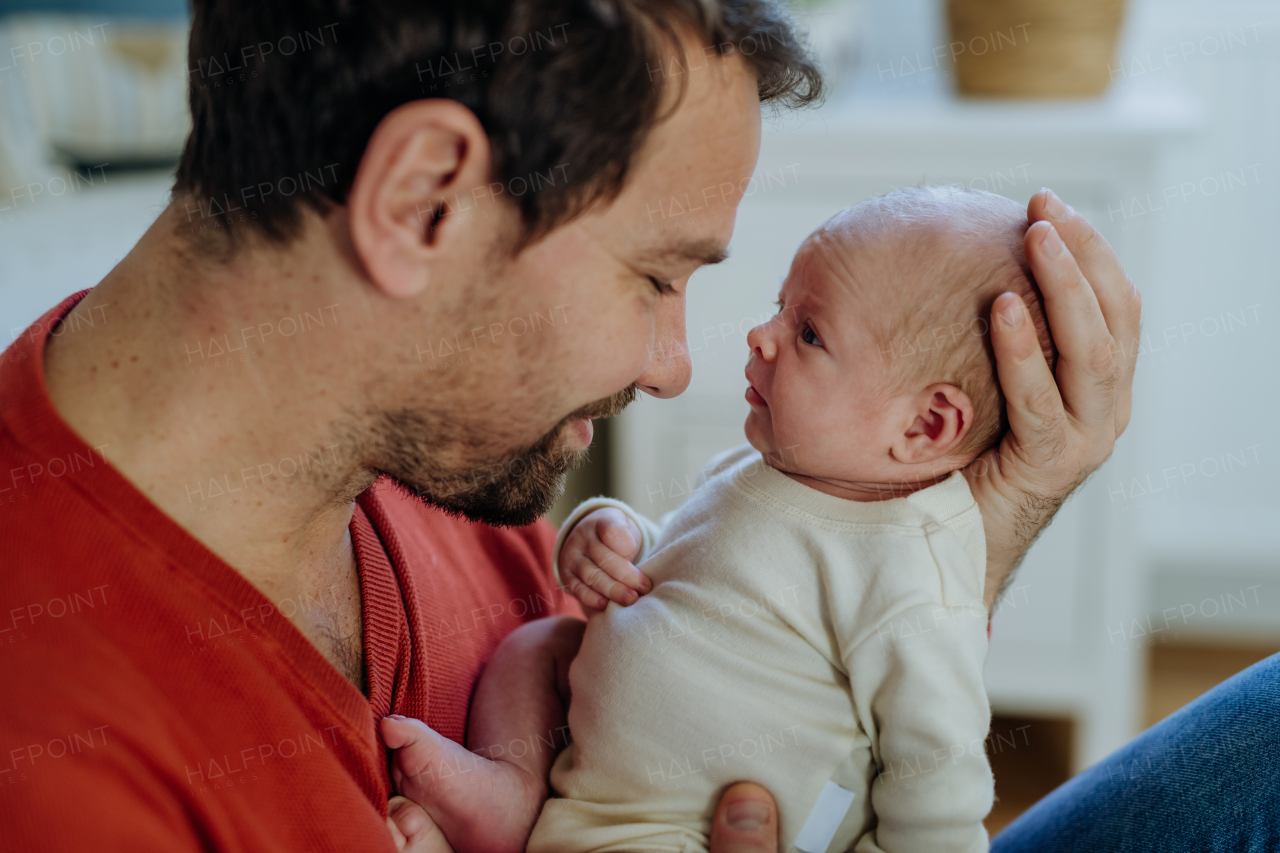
x=509 y=490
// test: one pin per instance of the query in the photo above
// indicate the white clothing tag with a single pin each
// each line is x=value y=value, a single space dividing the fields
x=824 y=819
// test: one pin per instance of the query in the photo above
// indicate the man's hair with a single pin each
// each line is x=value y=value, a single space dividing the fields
x=963 y=248
x=285 y=95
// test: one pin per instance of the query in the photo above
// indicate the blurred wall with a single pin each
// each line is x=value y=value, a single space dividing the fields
x=1211 y=317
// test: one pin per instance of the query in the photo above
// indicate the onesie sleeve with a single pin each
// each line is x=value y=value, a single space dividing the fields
x=649 y=529
x=918 y=687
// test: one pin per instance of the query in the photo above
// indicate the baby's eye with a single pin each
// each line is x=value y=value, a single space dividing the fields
x=809 y=336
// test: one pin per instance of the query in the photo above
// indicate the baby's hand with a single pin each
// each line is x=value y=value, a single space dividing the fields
x=595 y=562
x=481 y=806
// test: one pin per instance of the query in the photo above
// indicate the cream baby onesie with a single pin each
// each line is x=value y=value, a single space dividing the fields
x=824 y=648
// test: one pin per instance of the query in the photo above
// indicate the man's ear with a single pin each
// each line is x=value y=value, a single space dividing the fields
x=423 y=161
x=942 y=415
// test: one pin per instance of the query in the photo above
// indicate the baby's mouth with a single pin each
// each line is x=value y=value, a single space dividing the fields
x=754 y=397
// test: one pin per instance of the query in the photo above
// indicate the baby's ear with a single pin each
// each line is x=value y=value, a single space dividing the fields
x=941 y=417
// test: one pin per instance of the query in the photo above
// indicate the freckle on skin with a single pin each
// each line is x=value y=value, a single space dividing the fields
x=115 y=364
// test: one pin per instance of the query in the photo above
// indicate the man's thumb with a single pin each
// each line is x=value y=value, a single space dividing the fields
x=746 y=821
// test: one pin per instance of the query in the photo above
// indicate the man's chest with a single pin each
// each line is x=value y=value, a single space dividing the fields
x=332 y=620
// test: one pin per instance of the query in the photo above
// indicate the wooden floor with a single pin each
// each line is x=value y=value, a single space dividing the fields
x=1031 y=756
x=1038 y=761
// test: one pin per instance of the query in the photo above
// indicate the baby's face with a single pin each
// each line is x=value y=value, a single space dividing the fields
x=822 y=404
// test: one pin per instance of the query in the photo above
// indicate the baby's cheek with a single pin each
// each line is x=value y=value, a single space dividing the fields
x=758 y=431
x=818 y=441
x=796 y=437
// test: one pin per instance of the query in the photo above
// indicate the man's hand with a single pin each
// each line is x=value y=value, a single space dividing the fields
x=1058 y=433
x=595 y=562
x=746 y=821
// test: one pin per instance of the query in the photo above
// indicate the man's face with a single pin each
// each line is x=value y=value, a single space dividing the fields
x=569 y=328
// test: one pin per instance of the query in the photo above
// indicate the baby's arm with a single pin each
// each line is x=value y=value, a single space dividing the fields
x=597 y=549
x=932 y=717
x=918 y=686
x=487 y=796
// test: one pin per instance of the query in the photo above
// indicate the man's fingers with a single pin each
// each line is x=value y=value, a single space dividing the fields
x=746 y=821
x=1088 y=366
x=1070 y=303
x=1118 y=298
x=1036 y=416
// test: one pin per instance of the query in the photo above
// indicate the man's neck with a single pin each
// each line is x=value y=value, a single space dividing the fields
x=224 y=412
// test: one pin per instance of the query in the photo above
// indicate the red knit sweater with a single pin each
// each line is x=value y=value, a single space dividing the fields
x=152 y=699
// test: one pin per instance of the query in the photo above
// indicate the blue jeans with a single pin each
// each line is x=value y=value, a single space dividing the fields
x=1206 y=779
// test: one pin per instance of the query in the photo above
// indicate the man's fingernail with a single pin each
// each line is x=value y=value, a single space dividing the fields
x=1011 y=315
x=1052 y=243
x=1054 y=206
x=747 y=816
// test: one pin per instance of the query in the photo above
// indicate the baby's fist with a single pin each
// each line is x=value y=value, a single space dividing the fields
x=595 y=562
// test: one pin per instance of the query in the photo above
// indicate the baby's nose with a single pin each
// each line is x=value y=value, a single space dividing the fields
x=760 y=340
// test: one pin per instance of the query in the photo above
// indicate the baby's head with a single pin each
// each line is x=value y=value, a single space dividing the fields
x=878 y=368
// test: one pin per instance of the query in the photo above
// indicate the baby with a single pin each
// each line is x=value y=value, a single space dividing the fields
x=812 y=619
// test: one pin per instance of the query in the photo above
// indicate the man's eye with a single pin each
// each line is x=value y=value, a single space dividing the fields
x=663 y=287
x=809 y=336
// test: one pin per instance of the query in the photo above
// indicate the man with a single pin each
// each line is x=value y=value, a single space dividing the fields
x=232 y=464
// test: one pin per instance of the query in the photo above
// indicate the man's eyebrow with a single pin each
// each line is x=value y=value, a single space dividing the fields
x=704 y=252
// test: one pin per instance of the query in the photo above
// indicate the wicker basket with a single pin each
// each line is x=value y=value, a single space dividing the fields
x=1034 y=48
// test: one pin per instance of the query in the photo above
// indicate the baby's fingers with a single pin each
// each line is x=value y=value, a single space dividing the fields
x=414 y=743
x=412 y=829
x=398 y=732
x=617 y=569
x=601 y=583
x=619 y=533
x=588 y=596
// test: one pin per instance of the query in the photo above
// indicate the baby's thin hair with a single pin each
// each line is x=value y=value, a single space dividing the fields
x=963 y=248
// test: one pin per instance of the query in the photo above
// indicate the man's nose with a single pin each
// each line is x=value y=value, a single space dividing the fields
x=760 y=340
x=669 y=370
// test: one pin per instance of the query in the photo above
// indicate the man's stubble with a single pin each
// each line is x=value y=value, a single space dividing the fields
x=456 y=447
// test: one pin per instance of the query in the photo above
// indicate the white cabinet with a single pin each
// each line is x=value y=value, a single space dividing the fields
x=1052 y=652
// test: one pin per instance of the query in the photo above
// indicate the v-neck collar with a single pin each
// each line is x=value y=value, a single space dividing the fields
x=394 y=655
